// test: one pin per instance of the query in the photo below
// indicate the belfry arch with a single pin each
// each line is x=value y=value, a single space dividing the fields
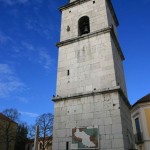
x=83 y=25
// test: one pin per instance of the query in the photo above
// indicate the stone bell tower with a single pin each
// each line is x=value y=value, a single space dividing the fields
x=91 y=107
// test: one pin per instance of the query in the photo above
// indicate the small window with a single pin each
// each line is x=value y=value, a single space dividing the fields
x=67 y=145
x=84 y=25
x=28 y=147
x=137 y=124
x=138 y=130
x=33 y=147
x=41 y=146
x=68 y=72
x=48 y=145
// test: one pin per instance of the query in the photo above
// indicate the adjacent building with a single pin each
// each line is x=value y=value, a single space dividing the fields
x=141 y=122
x=47 y=146
x=8 y=131
x=92 y=110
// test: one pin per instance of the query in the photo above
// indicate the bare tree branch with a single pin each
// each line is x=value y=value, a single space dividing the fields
x=8 y=127
x=45 y=123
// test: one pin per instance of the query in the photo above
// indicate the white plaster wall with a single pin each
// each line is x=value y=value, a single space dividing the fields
x=138 y=112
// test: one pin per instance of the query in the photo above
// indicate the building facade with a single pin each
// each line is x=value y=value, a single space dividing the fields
x=141 y=122
x=91 y=105
x=47 y=146
x=8 y=132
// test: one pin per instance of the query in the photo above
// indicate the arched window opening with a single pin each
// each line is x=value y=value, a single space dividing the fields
x=28 y=146
x=41 y=145
x=32 y=146
x=48 y=145
x=84 y=25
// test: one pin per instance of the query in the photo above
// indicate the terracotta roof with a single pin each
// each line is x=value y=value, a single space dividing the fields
x=143 y=100
x=3 y=117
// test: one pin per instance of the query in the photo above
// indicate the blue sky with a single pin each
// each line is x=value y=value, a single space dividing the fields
x=29 y=30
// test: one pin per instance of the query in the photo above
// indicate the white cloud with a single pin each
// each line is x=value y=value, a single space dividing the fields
x=9 y=83
x=23 y=99
x=43 y=28
x=35 y=54
x=4 y=38
x=13 y=2
x=28 y=46
x=5 y=69
x=29 y=114
x=44 y=59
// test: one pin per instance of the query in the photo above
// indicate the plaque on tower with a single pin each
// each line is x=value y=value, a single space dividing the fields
x=86 y=137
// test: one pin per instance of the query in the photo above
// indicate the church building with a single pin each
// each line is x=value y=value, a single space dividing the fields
x=92 y=110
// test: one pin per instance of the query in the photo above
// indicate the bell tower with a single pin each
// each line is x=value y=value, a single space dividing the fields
x=91 y=107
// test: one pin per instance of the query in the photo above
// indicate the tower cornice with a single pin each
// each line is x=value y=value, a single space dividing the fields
x=93 y=93
x=78 y=2
x=92 y=34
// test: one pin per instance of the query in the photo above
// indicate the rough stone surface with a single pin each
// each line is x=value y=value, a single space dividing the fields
x=89 y=65
x=96 y=12
x=113 y=123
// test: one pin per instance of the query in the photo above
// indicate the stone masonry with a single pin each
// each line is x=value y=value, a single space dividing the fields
x=91 y=88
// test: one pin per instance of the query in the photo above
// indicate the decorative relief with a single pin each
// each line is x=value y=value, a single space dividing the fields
x=68 y=28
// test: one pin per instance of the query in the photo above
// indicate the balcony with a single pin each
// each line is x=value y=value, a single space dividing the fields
x=139 y=138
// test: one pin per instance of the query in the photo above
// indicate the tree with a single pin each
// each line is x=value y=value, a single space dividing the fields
x=12 y=114
x=45 y=123
x=8 y=127
x=21 y=139
x=31 y=131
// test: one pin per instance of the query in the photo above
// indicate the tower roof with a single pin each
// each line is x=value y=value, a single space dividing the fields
x=143 y=100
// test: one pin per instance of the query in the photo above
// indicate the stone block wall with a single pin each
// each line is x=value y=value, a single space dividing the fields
x=95 y=11
x=89 y=67
x=119 y=71
x=90 y=64
x=128 y=136
x=99 y=110
x=110 y=17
